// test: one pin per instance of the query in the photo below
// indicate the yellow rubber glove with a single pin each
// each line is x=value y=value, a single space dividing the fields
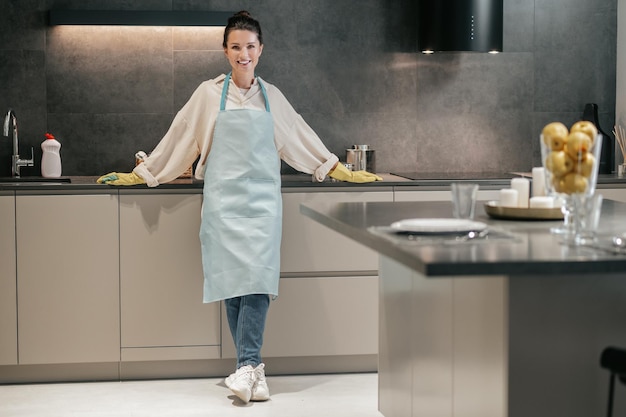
x=342 y=173
x=117 y=178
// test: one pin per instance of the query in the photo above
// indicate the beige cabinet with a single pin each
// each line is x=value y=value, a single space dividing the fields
x=307 y=246
x=328 y=303
x=323 y=316
x=319 y=316
x=67 y=278
x=162 y=313
x=8 y=306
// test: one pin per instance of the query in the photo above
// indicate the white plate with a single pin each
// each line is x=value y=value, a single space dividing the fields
x=441 y=226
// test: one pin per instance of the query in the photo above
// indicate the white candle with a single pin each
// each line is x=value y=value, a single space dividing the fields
x=558 y=202
x=539 y=182
x=522 y=185
x=508 y=198
x=541 y=202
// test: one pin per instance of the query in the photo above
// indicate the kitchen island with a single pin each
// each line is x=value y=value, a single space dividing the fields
x=509 y=325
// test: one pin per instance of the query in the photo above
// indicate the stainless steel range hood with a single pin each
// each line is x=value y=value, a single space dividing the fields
x=460 y=25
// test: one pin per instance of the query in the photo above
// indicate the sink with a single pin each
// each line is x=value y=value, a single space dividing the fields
x=30 y=180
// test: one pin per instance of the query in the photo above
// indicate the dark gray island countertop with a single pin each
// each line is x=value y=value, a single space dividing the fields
x=520 y=247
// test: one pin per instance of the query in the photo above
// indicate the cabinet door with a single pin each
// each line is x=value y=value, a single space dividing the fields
x=163 y=316
x=8 y=294
x=308 y=246
x=67 y=278
x=319 y=316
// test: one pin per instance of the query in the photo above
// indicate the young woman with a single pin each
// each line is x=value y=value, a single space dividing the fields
x=240 y=127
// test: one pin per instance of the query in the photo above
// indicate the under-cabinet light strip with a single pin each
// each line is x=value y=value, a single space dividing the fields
x=138 y=17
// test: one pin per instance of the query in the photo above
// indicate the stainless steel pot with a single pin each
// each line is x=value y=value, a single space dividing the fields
x=362 y=158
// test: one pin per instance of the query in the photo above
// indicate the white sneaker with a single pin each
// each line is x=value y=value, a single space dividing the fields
x=242 y=382
x=260 y=390
x=229 y=379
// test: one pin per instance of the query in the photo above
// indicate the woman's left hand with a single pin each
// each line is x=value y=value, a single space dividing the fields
x=341 y=173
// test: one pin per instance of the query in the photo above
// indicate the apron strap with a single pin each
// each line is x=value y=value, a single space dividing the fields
x=267 y=102
x=225 y=91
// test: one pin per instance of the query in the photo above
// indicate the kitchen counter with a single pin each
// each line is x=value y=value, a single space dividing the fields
x=511 y=326
x=88 y=183
x=403 y=181
x=134 y=253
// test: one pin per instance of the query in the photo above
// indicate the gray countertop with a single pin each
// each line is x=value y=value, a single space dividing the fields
x=516 y=247
x=88 y=183
x=78 y=184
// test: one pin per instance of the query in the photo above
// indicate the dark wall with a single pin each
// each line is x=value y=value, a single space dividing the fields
x=349 y=67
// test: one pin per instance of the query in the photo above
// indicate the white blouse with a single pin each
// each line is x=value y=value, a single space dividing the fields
x=191 y=134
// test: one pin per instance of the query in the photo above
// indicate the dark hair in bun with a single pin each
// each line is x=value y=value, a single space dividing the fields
x=243 y=21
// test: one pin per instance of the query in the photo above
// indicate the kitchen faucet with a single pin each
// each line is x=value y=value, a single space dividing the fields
x=16 y=161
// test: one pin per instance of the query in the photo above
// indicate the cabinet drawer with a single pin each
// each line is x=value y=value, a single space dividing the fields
x=319 y=317
x=307 y=246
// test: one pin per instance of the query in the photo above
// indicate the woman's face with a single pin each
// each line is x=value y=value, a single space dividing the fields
x=243 y=51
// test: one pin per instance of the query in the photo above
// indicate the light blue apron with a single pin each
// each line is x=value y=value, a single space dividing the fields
x=242 y=208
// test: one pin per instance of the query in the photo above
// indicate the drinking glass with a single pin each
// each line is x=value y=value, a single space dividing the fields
x=464 y=200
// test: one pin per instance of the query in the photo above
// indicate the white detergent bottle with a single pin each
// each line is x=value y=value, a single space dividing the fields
x=51 y=158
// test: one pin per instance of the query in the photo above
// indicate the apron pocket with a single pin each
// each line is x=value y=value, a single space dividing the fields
x=248 y=197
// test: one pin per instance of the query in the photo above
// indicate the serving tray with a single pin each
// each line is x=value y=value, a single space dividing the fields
x=517 y=213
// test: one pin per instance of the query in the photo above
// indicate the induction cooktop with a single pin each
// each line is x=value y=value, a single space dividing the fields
x=455 y=176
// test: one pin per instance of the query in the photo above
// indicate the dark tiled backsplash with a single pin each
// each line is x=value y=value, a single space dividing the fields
x=347 y=67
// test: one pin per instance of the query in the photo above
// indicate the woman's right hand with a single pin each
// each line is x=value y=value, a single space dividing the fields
x=118 y=178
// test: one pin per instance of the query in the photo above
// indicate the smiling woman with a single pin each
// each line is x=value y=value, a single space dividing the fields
x=228 y=124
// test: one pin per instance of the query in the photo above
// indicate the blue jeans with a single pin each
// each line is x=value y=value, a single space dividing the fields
x=246 y=319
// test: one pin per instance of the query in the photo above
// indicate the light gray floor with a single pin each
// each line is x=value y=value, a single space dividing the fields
x=345 y=395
